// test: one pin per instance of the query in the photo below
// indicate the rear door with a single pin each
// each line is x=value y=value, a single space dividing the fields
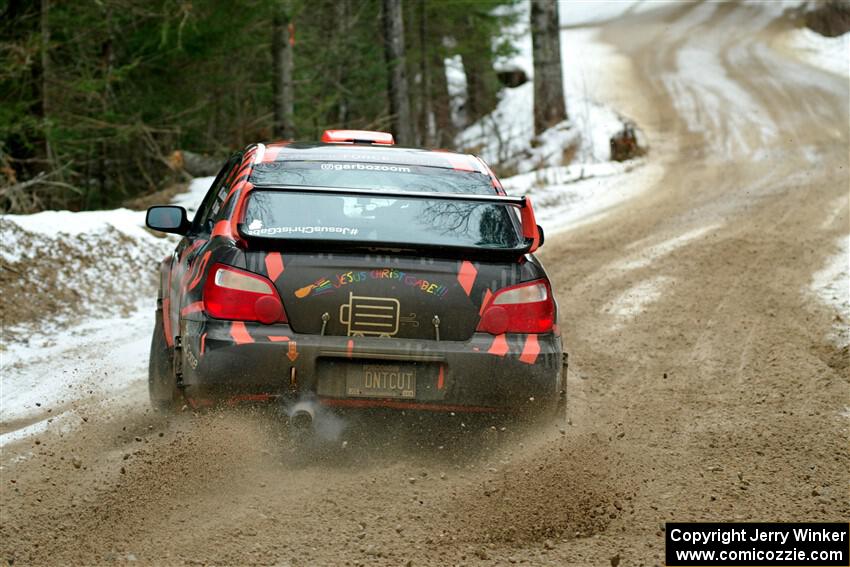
x=368 y=259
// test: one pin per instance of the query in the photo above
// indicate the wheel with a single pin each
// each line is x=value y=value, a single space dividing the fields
x=162 y=383
x=554 y=411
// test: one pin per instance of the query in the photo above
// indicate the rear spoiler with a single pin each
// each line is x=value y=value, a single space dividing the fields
x=530 y=230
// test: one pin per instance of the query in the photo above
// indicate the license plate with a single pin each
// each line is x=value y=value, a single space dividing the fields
x=381 y=381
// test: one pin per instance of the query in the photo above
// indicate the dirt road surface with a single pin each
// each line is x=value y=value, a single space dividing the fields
x=703 y=385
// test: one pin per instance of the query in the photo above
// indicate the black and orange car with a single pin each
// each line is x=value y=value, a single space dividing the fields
x=361 y=275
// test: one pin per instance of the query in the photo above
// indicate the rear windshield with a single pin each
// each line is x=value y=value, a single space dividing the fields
x=371 y=175
x=397 y=222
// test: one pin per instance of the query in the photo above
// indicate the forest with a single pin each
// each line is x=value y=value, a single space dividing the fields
x=103 y=101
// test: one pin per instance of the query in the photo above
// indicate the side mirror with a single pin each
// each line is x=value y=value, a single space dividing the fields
x=167 y=218
x=540 y=234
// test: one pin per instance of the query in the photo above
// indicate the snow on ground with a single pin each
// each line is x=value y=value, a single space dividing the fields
x=831 y=284
x=103 y=361
x=72 y=264
x=648 y=255
x=113 y=277
x=828 y=53
x=564 y=196
x=569 y=196
x=702 y=89
x=456 y=84
x=191 y=199
x=636 y=299
x=65 y=224
x=595 y=12
x=506 y=134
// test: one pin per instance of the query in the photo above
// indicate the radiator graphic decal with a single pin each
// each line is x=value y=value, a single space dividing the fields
x=366 y=316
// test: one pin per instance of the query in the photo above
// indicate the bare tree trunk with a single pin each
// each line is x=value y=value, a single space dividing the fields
x=343 y=17
x=283 y=42
x=480 y=94
x=426 y=116
x=398 y=89
x=46 y=107
x=549 y=105
x=108 y=62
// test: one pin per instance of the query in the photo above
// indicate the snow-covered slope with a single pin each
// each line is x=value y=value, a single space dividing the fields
x=60 y=266
x=564 y=196
x=83 y=287
x=506 y=136
x=828 y=53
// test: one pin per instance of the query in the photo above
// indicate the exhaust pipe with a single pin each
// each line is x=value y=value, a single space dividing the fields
x=301 y=416
x=308 y=418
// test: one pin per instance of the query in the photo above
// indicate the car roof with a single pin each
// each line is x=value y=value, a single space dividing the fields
x=368 y=153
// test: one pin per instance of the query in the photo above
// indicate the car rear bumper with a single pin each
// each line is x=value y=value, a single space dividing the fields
x=484 y=374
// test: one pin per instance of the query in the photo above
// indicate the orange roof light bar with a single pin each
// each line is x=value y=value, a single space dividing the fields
x=357 y=137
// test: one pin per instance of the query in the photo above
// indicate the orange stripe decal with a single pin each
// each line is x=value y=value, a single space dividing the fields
x=466 y=276
x=441 y=378
x=487 y=295
x=203 y=343
x=350 y=348
x=166 y=321
x=200 y=270
x=278 y=339
x=238 y=210
x=192 y=308
x=274 y=265
x=240 y=334
x=530 y=350
x=499 y=346
x=222 y=228
x=189 y=249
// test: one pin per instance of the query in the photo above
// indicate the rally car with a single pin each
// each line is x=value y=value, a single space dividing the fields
x=361 y=275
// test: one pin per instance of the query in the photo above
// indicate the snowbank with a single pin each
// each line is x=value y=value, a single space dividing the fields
x=506 y=135
x=831 y=54
x=77 y=302
x=831 y=285
x=569 y=196
x=60 y=266
x=50 y=380
x=591 y=184
x=594 y=12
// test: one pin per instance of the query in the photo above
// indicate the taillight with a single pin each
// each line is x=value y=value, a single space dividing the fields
x=237 y=295
x=524 y=308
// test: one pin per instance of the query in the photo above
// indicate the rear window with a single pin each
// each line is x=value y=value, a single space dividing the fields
x=397 y=222
x=371 y=175
x=359 y=219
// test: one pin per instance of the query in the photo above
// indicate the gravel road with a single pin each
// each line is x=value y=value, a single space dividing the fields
x=703 y=384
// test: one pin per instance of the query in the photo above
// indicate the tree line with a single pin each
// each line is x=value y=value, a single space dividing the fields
x=95 y=96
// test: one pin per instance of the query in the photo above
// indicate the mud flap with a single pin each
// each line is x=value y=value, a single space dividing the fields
x=162 y=383
x=561 y=410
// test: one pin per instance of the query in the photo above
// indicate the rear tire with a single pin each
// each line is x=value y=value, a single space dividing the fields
x=162 y=382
